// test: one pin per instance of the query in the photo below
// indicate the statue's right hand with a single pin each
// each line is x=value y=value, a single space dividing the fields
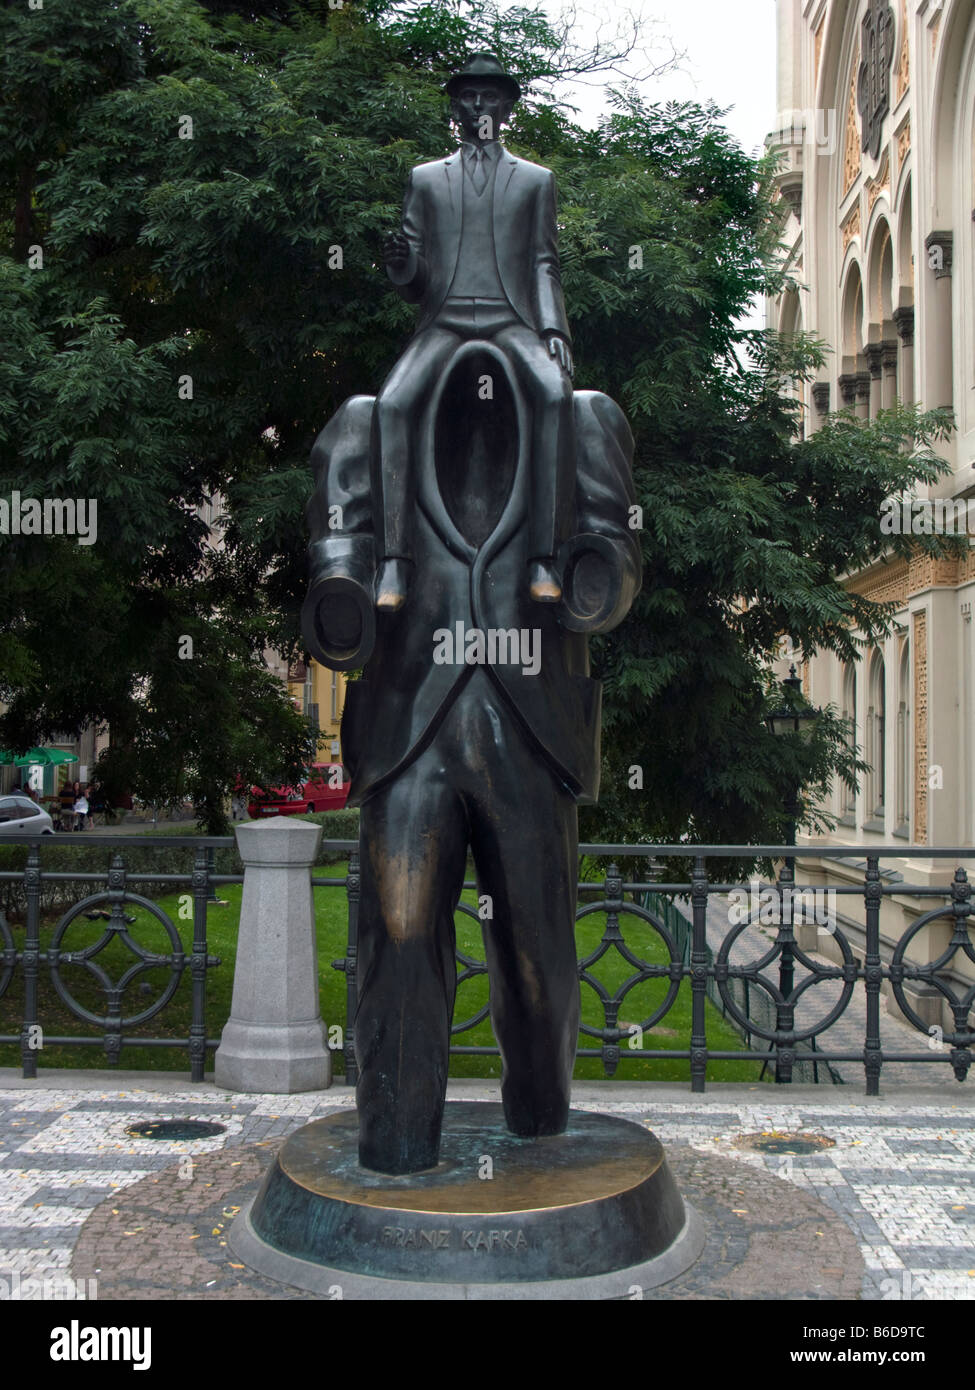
x=397 y=251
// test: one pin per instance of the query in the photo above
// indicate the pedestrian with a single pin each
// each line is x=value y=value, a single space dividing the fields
x=80 y=808
x=67 y=798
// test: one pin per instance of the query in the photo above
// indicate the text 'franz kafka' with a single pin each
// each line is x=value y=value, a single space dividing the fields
x=418 y=1238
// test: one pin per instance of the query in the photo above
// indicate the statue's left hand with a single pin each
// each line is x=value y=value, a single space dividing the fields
x=559 y=349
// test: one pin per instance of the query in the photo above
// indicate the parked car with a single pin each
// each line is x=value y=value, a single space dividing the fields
x=21 y=816
x=327 y=789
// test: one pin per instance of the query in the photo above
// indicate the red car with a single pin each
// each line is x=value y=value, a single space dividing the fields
x=327 y=789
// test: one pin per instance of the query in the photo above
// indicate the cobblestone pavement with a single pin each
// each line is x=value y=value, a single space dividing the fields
x=899 y=1178
x=165 y=1237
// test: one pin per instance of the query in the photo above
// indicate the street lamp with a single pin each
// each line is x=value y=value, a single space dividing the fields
x=794 y=715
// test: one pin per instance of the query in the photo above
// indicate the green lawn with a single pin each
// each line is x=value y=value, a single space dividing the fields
x=330 y=909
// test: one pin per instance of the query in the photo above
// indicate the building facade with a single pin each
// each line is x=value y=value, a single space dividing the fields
x=876 y=137
x=319 y=694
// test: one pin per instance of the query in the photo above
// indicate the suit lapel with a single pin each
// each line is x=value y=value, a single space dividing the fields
x=454 y=177
x=453 y=173
x=507 y=165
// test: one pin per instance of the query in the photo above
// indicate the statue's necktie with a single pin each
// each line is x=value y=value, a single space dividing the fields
x=479 y=173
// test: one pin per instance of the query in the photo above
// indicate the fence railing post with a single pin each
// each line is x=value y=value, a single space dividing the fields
x=785 y=1050
x=31 y=959
x=211 y=868
x=873 y=975
x=613 y=897
x=961 y=898
x=112 y=1040
x=202 y=889
x=352 y=886
x=699 y=975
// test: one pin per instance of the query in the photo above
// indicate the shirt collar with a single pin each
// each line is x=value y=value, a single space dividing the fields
x=491 y=148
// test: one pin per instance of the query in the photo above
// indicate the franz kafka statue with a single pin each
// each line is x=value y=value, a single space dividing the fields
x=470 y=526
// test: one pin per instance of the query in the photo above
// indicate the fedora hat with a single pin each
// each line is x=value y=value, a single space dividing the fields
x=486 y=68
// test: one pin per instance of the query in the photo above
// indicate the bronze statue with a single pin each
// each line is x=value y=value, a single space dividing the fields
x=479 y=252
x=464 y=543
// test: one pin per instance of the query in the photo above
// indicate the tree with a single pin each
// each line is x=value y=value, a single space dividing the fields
x=193 y=200
x=748 y=526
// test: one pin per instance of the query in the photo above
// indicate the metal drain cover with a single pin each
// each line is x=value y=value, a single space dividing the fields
x=776 y=1143
x=175 y=1130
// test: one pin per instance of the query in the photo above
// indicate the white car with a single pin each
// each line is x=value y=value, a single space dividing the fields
x=21 y=816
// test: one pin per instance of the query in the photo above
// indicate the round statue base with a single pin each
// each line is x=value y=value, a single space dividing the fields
x=591 y=1213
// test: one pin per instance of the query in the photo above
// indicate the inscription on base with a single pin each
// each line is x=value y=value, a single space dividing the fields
x=419 y=1238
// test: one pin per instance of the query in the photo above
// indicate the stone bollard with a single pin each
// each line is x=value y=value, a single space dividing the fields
x=274 y=1040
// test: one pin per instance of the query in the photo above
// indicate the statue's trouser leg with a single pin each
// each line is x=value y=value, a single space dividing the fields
x=549 y=391
x=398 y=407
x=524 y=839
x=479 y=781
x=528 y=864
x=413 y=839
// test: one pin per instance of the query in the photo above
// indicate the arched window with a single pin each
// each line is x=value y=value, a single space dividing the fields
x=903 y=813
x=854 y=382
x=849 y=794
x=881 y=349
x=904 y=309
x=876 y=739
x=790 y=323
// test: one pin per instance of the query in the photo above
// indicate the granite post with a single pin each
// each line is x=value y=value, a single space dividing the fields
x=274 y=1040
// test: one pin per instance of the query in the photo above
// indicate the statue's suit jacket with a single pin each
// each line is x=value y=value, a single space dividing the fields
x=525 y=239
x=393 y=712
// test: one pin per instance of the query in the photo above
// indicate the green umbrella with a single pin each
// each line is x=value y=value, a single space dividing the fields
x=44 y=757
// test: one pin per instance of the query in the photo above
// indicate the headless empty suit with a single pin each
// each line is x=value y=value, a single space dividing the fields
x=486 y=213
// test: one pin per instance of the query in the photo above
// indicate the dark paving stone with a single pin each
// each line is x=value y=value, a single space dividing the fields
x=96 y=1163
x=68 y=1196
x=942 y=1124
x=36 y=1237
x=867 y=1227
x=929 y=1176
x=936 y=1257
x=690 y=1116
x=157 y=1106
x=921 y=1146
x=805 y=1163
x=13 y=1124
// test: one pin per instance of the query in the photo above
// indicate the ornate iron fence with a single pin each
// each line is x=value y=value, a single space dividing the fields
x=754 y=1004
x=684 y=958
x=788 y=1041
x=115 y=1023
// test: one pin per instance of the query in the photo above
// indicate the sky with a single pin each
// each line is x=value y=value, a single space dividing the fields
x=730 y=56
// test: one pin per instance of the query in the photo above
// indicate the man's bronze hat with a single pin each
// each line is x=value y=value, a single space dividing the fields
x=485 y=67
